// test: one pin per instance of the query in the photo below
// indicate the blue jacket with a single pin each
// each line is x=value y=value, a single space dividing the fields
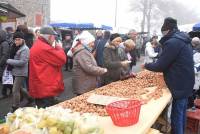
x=176 y=63
x=99 y=51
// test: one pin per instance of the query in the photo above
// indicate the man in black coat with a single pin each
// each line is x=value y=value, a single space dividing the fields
x=4 y=55
x=176 y=63
x=100 y=48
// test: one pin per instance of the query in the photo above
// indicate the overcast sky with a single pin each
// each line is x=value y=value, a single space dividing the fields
x=101 y=11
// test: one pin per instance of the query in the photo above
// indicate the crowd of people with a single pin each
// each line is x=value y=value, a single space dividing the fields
x=36 y=62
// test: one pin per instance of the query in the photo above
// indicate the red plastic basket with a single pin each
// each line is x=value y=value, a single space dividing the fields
x=124 y=113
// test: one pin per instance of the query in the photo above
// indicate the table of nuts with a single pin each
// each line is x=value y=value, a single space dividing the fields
x=148 y=87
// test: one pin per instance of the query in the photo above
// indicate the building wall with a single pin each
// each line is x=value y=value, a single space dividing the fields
x=35 y=10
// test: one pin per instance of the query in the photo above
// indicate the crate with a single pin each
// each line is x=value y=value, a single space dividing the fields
x=197 y=103
x=193 y=120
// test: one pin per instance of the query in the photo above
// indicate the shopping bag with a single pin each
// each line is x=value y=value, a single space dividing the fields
x=7 y=77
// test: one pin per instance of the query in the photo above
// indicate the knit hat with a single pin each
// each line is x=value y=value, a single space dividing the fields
x=18 y=35
x=169 y=24
x=113 y=36
x=47 y=30
x=86 y=38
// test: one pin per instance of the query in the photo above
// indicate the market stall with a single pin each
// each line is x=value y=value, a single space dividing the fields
x=148 y=115
x=148 y=88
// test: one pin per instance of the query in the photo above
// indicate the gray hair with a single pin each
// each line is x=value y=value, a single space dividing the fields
x=132 y=31
x=46 y=37
x=195 y=41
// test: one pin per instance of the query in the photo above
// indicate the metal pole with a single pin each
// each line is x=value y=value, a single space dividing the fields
x=115 y=13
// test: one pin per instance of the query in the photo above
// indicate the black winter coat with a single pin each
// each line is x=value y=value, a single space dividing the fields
x=112 y=62
x=176 y=63
x=4 y=51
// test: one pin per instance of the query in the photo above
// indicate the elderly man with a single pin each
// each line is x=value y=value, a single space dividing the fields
x=46 y=61
x=19 y=62
x=196 y=43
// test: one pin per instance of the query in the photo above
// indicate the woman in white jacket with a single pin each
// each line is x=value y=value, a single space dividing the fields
x=196 y=58
x=150 y=54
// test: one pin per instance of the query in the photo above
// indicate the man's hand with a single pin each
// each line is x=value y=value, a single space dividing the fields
x=59 y=43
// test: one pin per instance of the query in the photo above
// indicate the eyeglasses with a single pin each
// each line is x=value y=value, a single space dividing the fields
x=18 y=39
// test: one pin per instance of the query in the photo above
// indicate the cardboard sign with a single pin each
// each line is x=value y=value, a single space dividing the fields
x=103 y=99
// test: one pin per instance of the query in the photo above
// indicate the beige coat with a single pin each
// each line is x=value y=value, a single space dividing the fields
x=85 y=71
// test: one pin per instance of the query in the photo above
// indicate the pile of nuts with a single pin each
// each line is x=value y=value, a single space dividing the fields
x=134 y=88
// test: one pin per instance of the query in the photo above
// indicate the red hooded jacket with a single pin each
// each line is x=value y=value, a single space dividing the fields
x=45 y=70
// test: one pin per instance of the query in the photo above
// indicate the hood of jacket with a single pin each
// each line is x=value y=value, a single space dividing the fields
x=2 y=35
x=177 y=35
x=148 y=44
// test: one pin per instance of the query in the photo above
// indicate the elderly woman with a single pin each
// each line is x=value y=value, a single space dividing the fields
x=124 y=53
x=85 y=69
x=112 y=60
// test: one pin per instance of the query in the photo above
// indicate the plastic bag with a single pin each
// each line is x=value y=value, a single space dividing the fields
x=7 y=77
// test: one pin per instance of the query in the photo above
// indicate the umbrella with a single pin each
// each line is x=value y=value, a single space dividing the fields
x=9 y=11
x=196 y=27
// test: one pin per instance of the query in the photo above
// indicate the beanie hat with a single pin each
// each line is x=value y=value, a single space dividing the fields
x=169 y=24
x=113 y=36
x=86 y=38
x=18 y=35
x=47 y=30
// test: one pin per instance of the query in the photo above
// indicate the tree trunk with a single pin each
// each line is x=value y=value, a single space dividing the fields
x=144 y=15
x=149 y=17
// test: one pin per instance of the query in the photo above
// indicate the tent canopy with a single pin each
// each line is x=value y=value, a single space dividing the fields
x=196 y=27
x=8 y=10
x=63 y=25
x=80 y=26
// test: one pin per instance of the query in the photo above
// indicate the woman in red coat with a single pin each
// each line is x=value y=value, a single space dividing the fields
x=46 y=61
